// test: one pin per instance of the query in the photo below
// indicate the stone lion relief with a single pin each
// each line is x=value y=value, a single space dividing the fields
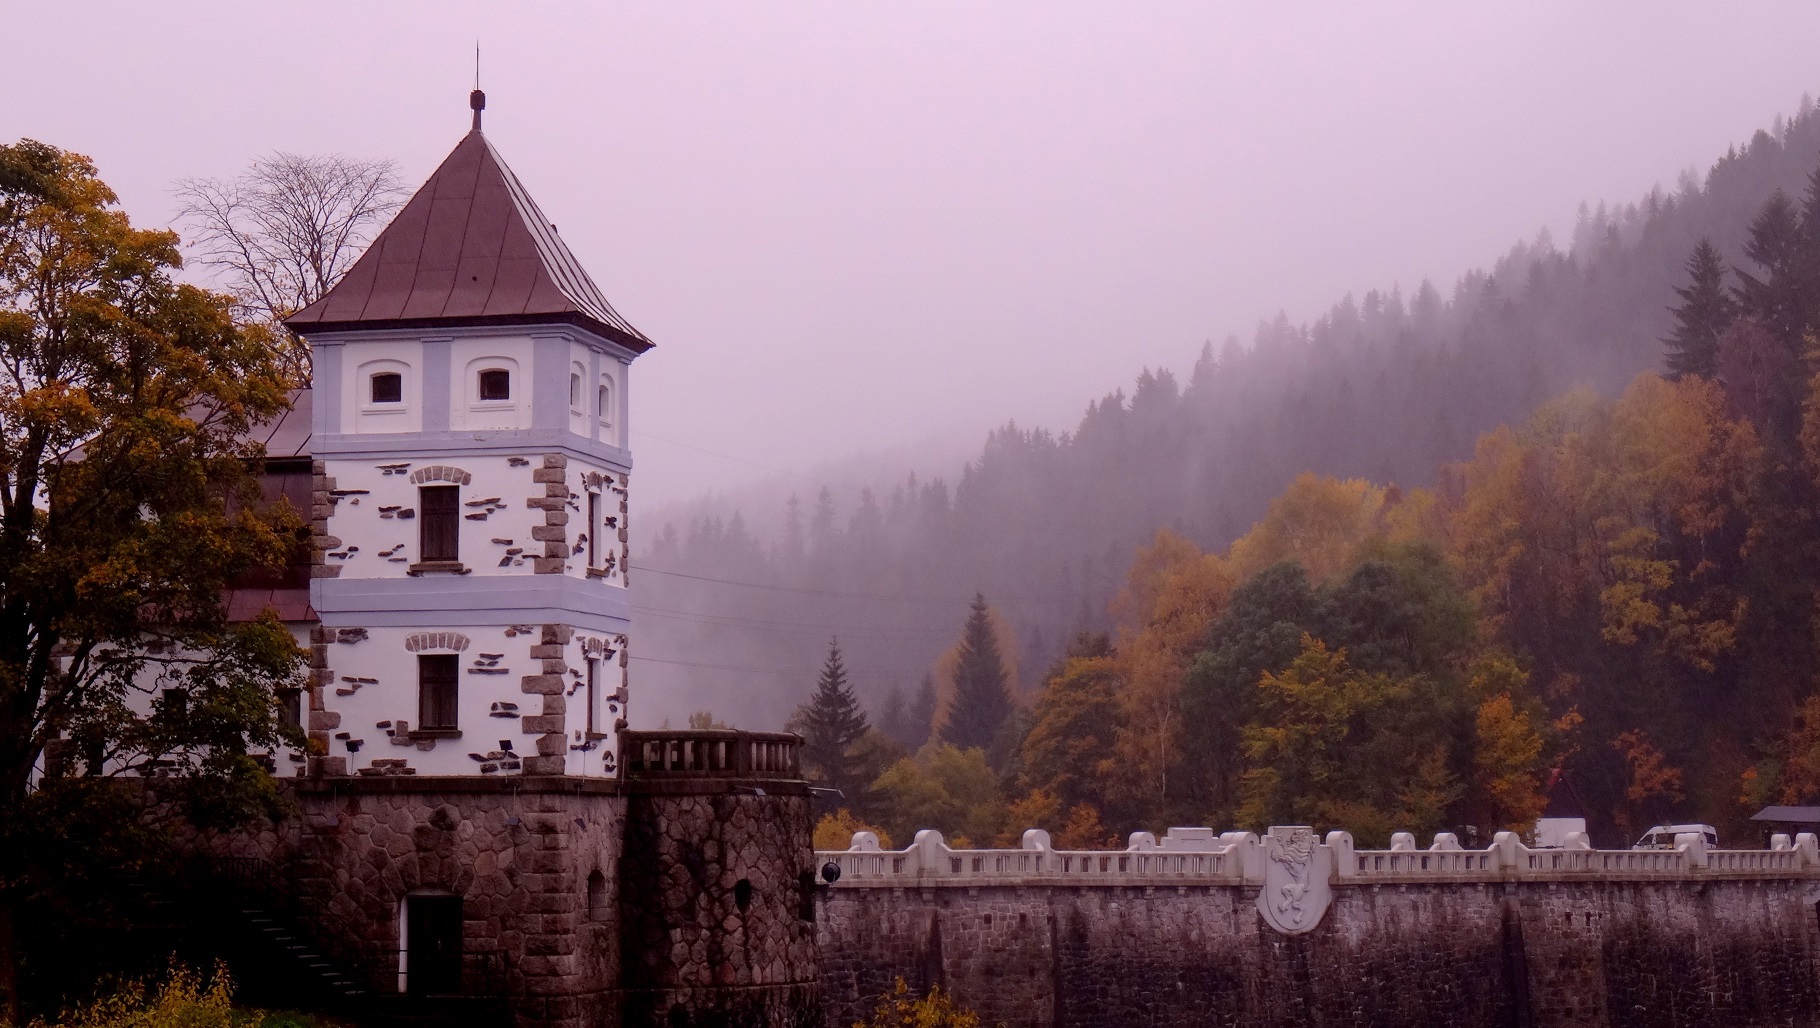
x=1297 y=869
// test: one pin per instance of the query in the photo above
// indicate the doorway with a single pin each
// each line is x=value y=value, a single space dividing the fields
x=432 y=964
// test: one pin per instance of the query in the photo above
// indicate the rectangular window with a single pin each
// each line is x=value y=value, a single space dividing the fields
x=439 y=514
x=593 y=530
x=593 y=693
x=437 y=677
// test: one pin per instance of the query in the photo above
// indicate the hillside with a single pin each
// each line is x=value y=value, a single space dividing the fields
x=1389 y=386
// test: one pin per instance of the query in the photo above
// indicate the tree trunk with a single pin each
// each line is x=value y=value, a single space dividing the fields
x=9 y=967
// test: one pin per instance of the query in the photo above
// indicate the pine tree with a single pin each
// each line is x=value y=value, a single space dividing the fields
x=832 y=722
x=922 y=713
x=981 y=703
x=1775 y=295
x=1706 y=311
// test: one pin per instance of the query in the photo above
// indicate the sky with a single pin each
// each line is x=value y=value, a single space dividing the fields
x=871 y=228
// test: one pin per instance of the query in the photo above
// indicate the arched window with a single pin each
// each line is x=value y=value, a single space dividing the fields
x=388 y=387
x=575 y=392
x=495 y=384
x=597 y=896
x=604 y=403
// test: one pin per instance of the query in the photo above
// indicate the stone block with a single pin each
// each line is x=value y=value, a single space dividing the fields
x=556 y=517
x=546 y=651
x=540 y=566
x=549 y=533
x=547 y=475
x=552 y=745
x=542 y=723
x=544 y=684
x=543 y=766
x=555 y=703
x=324 y=720
x=555 y=460
x=555 y=667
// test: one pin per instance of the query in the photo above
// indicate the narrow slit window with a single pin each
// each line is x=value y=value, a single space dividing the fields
x=388 y=387
x=593 y=693
x=437 y=678
x=605 y=404
x=575 y=393
x=496 y=384
x=593 y=530
x=440 y=518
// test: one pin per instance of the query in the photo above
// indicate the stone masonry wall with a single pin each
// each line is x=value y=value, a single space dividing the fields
x=1611 y=954
x=359 y=847
x=719 y=924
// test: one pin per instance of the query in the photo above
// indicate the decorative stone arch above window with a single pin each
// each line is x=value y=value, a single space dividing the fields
x=436 y=641
x=440 y=473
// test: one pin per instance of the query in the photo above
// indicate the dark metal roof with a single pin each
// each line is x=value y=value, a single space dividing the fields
x=470 y=248
x=288 y=434
x=1789 y=815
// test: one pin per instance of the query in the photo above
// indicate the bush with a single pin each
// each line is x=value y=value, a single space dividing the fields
x=183 y=998
x=900 y=1009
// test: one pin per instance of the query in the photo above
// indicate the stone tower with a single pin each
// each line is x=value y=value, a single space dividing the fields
x=471 y=462
x=475 y=824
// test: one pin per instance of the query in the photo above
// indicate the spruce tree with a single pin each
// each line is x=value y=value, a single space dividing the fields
x=922 y=713
x=981 y=702
x=1775 y=295
x=832 y=722
x=1705 y=312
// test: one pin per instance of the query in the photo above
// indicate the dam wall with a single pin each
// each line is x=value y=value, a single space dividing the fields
x=1224 y=932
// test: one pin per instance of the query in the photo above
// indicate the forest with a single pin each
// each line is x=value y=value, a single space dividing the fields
x=1408 y=566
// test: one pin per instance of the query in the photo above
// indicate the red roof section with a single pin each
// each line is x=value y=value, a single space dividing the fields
x=470 y=248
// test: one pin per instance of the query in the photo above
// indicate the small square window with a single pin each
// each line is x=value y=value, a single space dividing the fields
x=496 y=384
x=388 y=387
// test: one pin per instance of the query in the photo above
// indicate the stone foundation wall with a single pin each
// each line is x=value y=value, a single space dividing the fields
x=719 y=924
x=521 y=859
x=1613 y=953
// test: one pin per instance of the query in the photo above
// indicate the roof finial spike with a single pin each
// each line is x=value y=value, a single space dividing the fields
x=477 y=99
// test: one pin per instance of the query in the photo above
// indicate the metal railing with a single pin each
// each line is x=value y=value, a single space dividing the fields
x=481 y=975
x=711 y=754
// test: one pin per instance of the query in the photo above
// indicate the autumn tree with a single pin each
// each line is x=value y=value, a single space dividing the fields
x=831 y=724
x=283 y=232
x=1068 y=753
x=982 y=700
x=1333 y=745
x=128 y=503
x=1705 y=312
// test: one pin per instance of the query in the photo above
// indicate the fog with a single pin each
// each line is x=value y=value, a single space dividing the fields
x=853 y=226
x=883 y=231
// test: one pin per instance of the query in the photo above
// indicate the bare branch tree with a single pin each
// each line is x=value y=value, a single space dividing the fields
x=282 y=233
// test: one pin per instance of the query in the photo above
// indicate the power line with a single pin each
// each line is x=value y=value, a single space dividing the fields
x=794 y=589
x=742 y=460
x=727 y=667
x=766 y=624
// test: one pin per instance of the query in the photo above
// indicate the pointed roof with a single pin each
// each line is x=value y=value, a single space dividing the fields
x=470 y=248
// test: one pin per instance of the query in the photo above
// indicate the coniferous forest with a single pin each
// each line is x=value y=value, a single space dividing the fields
x=1409 y=566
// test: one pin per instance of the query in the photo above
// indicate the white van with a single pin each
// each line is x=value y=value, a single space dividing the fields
x=1662 y=837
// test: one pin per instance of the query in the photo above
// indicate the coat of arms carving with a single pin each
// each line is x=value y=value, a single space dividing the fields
x=1297 y=869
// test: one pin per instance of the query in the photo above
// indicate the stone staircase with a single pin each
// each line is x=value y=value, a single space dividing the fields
x=244 y=911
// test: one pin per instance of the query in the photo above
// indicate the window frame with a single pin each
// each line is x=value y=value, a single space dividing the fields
x=373 y=398
x=480 y=386
x=433 y=520
x=438 y=692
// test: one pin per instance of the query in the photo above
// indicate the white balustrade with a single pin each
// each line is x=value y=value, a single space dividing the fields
x=1197 y=857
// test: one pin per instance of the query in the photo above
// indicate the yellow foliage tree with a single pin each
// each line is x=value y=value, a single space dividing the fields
x=1318 y=521
x=901 y=1008
x=835 y=831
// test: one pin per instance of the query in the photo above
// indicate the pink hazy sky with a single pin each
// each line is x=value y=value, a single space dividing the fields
x=852 y=226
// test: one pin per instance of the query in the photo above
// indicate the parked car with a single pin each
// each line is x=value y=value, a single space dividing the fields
x=1662 y=837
